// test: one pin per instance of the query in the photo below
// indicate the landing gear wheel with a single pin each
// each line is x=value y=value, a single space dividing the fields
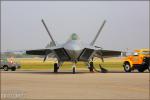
x=91 y=67
x=13 y=69
x=55 y=68
x=74 y=70
x=5 y=68
x=127 y=67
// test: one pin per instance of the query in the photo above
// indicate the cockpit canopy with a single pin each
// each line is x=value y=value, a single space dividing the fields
x=74 y=36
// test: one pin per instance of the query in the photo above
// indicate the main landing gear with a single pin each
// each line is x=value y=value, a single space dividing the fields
x=56 y=67
x=91 y=67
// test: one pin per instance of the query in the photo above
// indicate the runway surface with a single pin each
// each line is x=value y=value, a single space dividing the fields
x=82 y=85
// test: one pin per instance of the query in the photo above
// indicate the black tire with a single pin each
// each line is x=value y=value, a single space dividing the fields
x=142 y=69
x=127 y=67
x=146 y=63
x=13 y=69
x=55 y=68
x=91 y=67
x=149 y=68
x=5 y=68
x=74 y=70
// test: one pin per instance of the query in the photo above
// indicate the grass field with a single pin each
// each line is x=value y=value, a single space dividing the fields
x=37 y=63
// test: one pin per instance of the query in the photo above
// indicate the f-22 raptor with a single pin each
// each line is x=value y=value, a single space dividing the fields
x=74 y=50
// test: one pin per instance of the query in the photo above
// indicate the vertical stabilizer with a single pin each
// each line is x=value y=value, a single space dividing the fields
x=53 y=42
x=98 y=33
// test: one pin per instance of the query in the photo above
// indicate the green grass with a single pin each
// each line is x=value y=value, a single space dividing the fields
x=39 y=64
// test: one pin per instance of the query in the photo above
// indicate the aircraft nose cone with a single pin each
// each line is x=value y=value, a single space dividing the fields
x=73 y=45
x=74 y=49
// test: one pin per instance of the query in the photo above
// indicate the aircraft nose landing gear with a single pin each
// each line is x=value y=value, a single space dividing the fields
x=74 y=68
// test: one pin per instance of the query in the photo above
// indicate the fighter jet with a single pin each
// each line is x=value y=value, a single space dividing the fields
x=74 y=51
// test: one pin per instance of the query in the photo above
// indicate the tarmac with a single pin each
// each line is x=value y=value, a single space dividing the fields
x=44 y=84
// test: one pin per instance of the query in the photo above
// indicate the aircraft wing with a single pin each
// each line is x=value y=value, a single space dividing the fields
x=58 y=52
x=91 y=52
x=108 y=53
x=39 y=52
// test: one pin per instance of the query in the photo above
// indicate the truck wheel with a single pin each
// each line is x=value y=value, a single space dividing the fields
x=141 y=69
x=127 y=67
x=13 y=69
x=5 y=68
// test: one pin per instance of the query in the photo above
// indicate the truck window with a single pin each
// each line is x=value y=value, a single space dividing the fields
x=135 y=54
x=145 y=52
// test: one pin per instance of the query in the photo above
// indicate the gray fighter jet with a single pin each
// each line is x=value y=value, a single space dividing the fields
x=74 y=50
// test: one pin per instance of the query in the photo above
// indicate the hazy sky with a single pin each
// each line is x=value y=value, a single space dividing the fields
x=127 y=23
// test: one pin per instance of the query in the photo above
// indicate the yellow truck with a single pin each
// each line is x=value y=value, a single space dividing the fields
x=139 y=59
